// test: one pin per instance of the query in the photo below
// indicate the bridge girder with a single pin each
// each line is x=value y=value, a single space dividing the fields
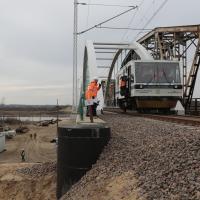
x=167 y=43
x=180 y=43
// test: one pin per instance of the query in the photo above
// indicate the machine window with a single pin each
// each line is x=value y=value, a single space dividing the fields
x=163 y=72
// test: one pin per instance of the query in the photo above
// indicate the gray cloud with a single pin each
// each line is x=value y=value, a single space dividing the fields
x=36 y=51
x=36 y=40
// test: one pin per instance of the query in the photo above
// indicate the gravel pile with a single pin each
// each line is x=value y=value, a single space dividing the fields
x=39 y=170
x=164 y=158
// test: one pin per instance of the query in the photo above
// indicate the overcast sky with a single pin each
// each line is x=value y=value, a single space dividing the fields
x=36 y=39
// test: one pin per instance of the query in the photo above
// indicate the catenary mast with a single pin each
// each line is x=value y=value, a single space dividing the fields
x=75 y=56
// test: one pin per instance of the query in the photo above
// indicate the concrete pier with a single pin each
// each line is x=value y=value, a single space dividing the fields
x=79 y=146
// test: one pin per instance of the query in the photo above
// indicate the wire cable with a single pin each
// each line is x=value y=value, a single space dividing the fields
x=151 y=18
x=88 y=14
x=116 y=16
x=130 y=22
x=144 y=16
x=100 y=4
x=123 y=28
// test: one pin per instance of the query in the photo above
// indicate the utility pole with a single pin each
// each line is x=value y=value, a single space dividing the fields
x=57 y=116
x=75 y=42
x=75 y=55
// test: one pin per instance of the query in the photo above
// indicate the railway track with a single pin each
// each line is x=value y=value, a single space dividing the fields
x=186 y=120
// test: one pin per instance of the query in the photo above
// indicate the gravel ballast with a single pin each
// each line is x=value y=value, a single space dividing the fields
x=39 y=170
x=157 y=160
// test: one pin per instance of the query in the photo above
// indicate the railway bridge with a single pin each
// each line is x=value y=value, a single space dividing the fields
x=180 y=43
x=143 y=146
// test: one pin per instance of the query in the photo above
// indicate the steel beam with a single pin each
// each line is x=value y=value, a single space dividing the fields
x=112 y=52
x=104 y=58
x=179 y=29
x=175 y=43
x=103 y=67
x=110 y=43
x=115 y=47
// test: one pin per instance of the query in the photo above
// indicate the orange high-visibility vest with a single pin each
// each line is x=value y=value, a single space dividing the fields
x=122 y=83
x=92 y=90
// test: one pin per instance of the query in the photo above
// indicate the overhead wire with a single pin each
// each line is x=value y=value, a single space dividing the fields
x=141 y=30
x=88 y=14
x=109 y=5
x=130 y=22
x=116 y=16
x=122 y=28
x=145 y=13
x=105 y=71
x=151 y=18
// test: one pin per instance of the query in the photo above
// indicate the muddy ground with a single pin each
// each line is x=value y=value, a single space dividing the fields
x=15 y=185
x=36 y=150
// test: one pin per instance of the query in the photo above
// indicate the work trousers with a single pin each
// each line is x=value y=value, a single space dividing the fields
x=94 y=110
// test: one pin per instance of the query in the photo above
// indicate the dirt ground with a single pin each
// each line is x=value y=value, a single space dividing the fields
x=16 y=186
x=36 y=150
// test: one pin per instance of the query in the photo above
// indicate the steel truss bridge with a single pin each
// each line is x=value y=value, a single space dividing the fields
x=168 y=43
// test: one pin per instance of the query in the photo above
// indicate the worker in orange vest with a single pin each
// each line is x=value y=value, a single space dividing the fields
x=122 y=85
x=91 y=95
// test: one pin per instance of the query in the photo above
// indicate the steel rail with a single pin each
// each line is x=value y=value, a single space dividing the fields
x=185 y=120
